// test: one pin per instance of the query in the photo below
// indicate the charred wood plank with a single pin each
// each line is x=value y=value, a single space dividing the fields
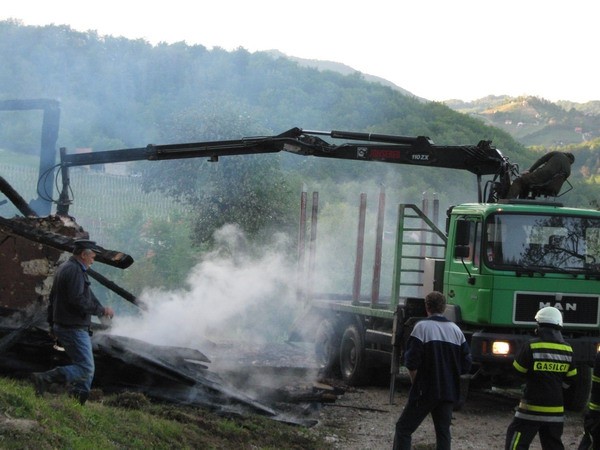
x=16 y=199
x=116 y=288
x=28 y=230
x=171 y=355
x=187 y=383
x=360 y=408
x=304 y=396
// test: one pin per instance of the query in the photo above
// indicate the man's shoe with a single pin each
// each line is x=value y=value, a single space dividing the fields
x=41 y=383
x=80 y=396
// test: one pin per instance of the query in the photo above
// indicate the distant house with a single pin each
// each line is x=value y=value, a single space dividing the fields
x=112 y=169
x=120 y=168
x=96 y=167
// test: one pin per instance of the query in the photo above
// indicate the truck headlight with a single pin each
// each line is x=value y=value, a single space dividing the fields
x=501 y=348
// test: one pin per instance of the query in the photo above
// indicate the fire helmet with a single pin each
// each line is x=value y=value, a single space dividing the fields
x=549 y=315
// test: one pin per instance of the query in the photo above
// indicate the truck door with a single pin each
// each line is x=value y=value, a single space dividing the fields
x=466 y=286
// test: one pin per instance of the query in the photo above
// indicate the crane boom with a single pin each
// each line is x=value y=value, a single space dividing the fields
x=480 y=159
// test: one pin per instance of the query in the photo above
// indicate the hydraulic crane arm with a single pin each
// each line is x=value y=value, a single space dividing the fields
x=480 y=159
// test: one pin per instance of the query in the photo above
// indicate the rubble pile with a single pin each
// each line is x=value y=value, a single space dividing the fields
x=169 y=374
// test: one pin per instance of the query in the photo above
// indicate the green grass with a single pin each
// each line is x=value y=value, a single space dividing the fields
x=130 y=421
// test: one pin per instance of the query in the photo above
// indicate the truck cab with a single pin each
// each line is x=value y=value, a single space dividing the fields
x=505 y=261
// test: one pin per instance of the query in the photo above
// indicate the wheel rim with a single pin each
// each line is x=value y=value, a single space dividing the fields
x=325 y=345
x=349 y=356
x=323 y=351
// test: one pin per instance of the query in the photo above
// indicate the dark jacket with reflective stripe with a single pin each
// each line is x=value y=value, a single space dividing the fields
x=438 y=351
x=594 y=404
x=72 y=302
x=546 y=362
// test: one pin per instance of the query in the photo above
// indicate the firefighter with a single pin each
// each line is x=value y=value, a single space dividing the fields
x=546 y=362
x=591 y=421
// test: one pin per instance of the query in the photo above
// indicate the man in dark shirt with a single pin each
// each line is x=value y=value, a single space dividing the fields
x=71 y=305
x=542 y=171
x=591 y=421
x=547 y=363
x=437 y=354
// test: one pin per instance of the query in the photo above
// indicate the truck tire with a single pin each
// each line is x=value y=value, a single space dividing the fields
x=577 y=395
x=352 y=356
x=327 y=348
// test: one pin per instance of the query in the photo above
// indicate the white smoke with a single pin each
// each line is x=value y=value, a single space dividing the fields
x=228 y=293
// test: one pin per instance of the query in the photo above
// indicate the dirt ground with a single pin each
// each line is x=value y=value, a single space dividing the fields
x=363 y=419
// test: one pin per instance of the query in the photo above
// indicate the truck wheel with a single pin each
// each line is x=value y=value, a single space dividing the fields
x=327 y=348
x=577 y=395
x=352 y=356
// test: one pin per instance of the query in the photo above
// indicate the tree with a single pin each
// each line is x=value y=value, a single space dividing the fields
x=250 y=191
x=160 y=246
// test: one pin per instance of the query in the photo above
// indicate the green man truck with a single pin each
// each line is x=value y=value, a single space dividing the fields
x=499 y=260
x=507 y=260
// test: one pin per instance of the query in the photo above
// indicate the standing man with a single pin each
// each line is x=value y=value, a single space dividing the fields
x=437 y=354
x=72 y=303
x=542 y=171
x=546 y=362
x=591 y=421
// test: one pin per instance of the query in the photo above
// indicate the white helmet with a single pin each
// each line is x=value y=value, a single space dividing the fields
x=549 y=315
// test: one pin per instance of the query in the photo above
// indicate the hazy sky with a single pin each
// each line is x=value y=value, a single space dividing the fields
x=436 y=49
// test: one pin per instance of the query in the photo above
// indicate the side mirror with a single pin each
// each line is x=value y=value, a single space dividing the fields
x=461 y=251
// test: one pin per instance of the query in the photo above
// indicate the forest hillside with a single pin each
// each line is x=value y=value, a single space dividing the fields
x=117 y=93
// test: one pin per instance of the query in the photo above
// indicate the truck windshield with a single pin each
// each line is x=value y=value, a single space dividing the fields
x=548 y=243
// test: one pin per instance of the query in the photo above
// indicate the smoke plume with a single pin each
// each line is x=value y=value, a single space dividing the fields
x=230 y=293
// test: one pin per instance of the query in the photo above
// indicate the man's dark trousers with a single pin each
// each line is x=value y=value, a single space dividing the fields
x=414 y=413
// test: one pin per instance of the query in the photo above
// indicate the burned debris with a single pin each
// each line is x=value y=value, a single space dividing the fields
x=31 y=247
